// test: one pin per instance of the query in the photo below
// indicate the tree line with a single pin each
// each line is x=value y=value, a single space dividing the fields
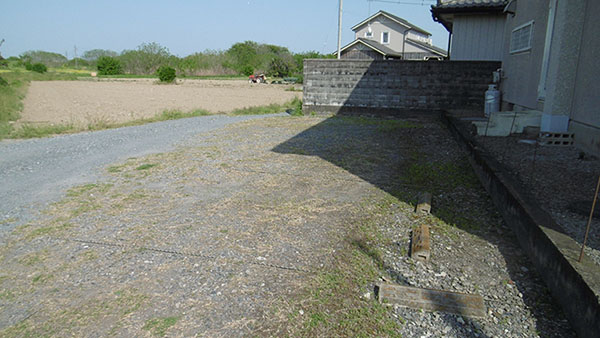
x=243 y=58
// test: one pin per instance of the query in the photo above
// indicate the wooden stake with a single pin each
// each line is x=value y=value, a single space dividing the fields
x=424 y=203
x=419 y=248
x=587 y=230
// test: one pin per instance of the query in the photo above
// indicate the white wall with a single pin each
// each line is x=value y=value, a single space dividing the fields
x=522 y=70
x=477 y=37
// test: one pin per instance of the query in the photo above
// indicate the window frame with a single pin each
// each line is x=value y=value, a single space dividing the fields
x=388 y=38
x=512 y=35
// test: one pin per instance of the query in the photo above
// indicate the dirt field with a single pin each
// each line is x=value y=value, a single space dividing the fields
x=114 y=101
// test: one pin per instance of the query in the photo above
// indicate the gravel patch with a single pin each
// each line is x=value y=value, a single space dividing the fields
x=209 y=238
x=38 y=171
x=562 y=179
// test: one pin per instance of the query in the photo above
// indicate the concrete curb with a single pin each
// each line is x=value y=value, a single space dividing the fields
x=553 y=253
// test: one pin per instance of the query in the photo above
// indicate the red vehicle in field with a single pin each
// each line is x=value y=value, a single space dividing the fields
x=257 y=78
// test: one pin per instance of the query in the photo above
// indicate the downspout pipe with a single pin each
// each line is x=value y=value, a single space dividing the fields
x=404 y=42
x=449 y=44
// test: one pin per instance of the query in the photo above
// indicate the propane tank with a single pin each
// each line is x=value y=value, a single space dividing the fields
x=492 y=100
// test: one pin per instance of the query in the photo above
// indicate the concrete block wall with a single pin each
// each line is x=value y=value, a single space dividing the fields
x=391 y=86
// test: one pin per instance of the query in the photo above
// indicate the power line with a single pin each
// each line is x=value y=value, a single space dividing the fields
x=420 y=3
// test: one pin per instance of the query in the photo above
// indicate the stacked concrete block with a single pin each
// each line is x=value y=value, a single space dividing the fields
x=393 y=86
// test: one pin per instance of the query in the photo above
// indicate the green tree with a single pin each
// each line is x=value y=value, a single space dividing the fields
x=47 y=58
x=39 y=68
x=95 y=54
x=145 y=59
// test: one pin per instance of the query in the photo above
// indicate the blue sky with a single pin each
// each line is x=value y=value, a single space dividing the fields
x=189 y=26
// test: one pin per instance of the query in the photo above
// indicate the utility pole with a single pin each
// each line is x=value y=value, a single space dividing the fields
x=75 y=53
x=339 y=51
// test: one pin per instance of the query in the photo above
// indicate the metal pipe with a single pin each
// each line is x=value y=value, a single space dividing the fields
x=449 y=44
x=404 y=43
x=339 y=50
x=587 y=230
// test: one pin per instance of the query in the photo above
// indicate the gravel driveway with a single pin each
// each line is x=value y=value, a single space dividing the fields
x=227 y=234
x=37 y=171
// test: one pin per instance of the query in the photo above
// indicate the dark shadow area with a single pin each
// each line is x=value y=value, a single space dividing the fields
x=405 y=157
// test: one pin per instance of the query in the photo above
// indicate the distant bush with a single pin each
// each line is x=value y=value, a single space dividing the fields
x=108 y=65
x=166 y=74
x=145 y=59
x=3 y=82
x=47 y=58
x=77 y=63
x=39 y=67
x=28 y=65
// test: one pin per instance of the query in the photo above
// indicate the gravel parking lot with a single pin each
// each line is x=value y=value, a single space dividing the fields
x=223 y=235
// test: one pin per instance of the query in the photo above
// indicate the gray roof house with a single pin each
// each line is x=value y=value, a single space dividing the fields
x=549 y=52
x=386 y=36
x=476 y=27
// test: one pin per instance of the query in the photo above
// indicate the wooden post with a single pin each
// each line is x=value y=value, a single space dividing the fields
x=419 y=248
x=424 y=203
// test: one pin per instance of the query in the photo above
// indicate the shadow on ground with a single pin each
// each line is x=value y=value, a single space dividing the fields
x=404 y=157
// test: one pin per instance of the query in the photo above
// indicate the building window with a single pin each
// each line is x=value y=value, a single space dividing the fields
x=368 y=34
x=385 y=37
x=520 y=39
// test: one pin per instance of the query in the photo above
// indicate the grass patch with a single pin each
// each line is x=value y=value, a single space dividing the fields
x=63 y=322
x=384 y=125
x=146 y=166
x=32 y=258
x=88 y=188
x=159 y=326
x=7 y=295
x=295 y=104
x=332 y=305
x=47 y=230
x=433 y=175
x=28 y=130
x=115 y=169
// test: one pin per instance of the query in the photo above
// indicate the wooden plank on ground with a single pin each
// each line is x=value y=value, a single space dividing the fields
x=469 y=305
x=420 y=247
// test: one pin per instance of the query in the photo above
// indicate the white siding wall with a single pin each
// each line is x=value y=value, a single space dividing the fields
x=382 y=24
x=522 y=70
x=477 y=37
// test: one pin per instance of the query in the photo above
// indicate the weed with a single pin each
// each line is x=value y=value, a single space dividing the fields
x=146 y=166
x=158 y=326
x=115 y=169
x=41 y=279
